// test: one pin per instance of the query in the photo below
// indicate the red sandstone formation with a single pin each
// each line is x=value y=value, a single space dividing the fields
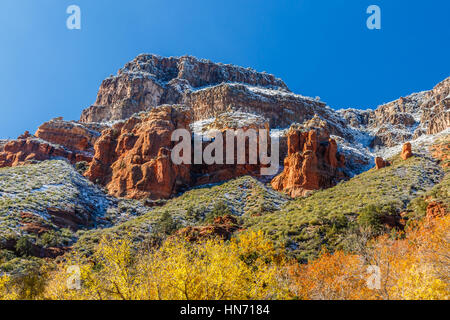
x=204 y=174
x=312 y=163
x=132 y=159
x=435 y=210
x=54 y=139
x=30 y=225
x=380 y=163
x=441 y=151
x=70 y=134
x=406 y=151
x=22 y=151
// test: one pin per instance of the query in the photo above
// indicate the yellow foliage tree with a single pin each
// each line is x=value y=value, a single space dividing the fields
x=6 y=292
x=245 y=268
x=412 y=266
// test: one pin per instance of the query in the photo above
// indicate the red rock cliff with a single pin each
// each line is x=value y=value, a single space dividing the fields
x=28 y=148
x=312 y=162
x=132 y=159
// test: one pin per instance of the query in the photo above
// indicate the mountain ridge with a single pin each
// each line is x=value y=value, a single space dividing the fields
x=116 y=174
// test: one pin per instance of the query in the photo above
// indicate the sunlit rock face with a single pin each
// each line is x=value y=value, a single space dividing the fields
x=208 y=88
x=405 y=119
x=132 y=159
x=312 y=162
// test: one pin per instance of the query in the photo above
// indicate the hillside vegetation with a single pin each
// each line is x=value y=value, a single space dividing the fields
x=329 y=217
x=27 y=193
x=242 y=197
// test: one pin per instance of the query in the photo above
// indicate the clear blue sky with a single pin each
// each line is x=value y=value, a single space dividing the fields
x=318 y=47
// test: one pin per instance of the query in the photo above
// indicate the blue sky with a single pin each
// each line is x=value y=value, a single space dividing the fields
x=318 y=47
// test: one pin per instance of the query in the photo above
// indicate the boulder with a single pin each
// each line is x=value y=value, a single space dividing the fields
x=380 y=163
x=406 y=151
x=70 y=134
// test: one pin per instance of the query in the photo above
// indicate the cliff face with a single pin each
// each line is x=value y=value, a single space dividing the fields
x=213 y=88
x=280 y=108
x=54 y=139
x=131 y=151
x=132 y=159
x=436 y=110
x=151 y=80
x=405 y=119
x=208 y=88
x=312 y=162
x=70 y=134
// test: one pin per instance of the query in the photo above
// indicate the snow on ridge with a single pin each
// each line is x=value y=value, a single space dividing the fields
x=418 y=144
x=137 y=66
x=275 y=92
x=261 y=91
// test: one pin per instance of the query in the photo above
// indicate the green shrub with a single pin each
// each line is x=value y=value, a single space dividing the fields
x=419 y=207
x=50 y=239
x=82 y=167
x=24 y=246
x=193 y=215
x=166 y=224
x=220 y=209
x=370 y=218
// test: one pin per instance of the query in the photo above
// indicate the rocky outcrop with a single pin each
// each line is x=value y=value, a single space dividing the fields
x=151 y=80
x=441 y=151
x=69 y=218
x=380 y=163
x=33 y=224
x=312 y=163
x=222 y=228
x=132 y=159
x=23 y=151
x=54 y=139
x=70 y=134
x=280 y=108
x=406 y=118
x=436 y=209
x=406 y=151
x=212 y=173
x=210 y=89
x=435 y=110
